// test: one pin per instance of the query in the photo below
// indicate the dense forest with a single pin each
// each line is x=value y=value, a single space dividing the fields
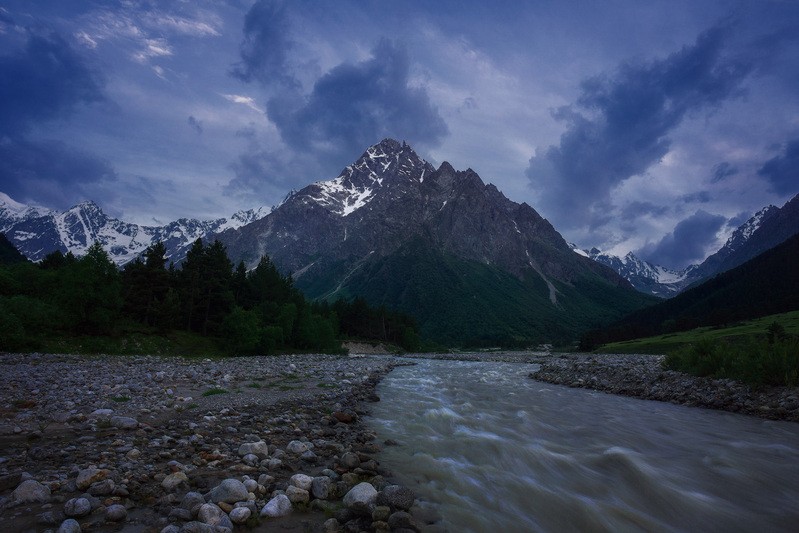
x=245 y=312
x=765 y=285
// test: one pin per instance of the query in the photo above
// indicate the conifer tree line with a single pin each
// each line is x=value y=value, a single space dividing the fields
x=249 y=312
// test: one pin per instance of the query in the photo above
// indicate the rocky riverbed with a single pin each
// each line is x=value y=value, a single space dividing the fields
x=149 y=444
x=642 y=376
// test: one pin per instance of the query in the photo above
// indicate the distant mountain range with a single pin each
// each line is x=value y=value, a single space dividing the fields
x=766 y=229
x=37 y=231
x=470 y=265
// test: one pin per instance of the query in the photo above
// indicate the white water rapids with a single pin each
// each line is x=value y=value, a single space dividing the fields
x=497 y=451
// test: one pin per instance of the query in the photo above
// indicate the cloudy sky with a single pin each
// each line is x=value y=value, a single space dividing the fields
x=650 y=126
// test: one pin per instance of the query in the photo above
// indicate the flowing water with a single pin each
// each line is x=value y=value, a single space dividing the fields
x=497 y=451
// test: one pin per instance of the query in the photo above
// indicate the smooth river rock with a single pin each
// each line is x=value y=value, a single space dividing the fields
x=278 y=506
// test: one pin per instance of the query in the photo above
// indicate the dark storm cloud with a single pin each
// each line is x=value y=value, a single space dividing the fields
x=50 y=172
x=619 y=126
x=722 y=171
x=700 y=197
x=356 y=105
x=635 y=210
x=782 y=171
x=266 y=45
x=688 y=242
x=44 y=81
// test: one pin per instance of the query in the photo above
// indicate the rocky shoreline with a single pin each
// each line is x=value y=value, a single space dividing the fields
x=153 y=444
x=642 y=376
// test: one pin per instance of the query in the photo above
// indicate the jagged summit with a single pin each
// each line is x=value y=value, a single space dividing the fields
x=388 y=163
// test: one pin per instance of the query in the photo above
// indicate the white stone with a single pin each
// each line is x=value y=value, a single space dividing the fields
x=278 y=506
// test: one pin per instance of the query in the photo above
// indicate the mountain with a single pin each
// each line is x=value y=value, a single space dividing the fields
x=765 y=285
x=766 y=229
x=37 y=231
x=471 y=265
x=643 y=275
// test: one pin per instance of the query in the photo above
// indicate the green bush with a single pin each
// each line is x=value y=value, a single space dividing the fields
x=757 y=362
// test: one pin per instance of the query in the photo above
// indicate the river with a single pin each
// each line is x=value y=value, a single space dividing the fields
x=497 y=451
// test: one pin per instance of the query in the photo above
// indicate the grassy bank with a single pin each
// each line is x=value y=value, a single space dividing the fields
x=751 y=330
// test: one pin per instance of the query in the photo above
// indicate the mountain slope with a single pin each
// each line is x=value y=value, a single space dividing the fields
x=765 y=285
x=768 y=228
x=764 y=230
x=439 y=244
x=643 y=275
x=37 y=232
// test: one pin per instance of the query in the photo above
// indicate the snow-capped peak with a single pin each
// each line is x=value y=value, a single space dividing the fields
x=12 y=211
x=388 y=163
x=743 y=232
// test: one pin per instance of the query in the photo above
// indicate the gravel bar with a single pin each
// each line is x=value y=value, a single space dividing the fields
x=181 y=445
x=642 y=376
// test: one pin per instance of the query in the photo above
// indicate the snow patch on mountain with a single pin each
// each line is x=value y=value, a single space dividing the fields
x=386 y=164
x=37 y=231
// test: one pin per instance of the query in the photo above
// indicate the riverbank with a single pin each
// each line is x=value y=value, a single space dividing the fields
x=642 y=376
x=89 y=443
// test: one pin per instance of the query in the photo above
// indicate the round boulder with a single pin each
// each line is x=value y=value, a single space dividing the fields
x=240 y=515
x=70 y=525
x=173 y=481
x=89 y=476
x=77 y=507
x=278 y=506
x=116 y=513
x=361 y=497
x=30 y=491
x=301 y=481
x=297 y=495
x=229 y=491
x=396 y=497
x=297 y=447
x=214 y=516
x=260 y=448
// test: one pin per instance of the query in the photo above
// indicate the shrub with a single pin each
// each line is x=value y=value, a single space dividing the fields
x=757 y=362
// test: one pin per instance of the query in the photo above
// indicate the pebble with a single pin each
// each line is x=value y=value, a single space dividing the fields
x=140 y=456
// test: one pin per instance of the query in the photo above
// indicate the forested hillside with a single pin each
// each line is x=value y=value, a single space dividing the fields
x=768 y=284
x=259 y=311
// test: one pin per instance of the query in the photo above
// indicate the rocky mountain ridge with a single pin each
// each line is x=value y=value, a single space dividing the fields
x=766 y=229
x=37 y=231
